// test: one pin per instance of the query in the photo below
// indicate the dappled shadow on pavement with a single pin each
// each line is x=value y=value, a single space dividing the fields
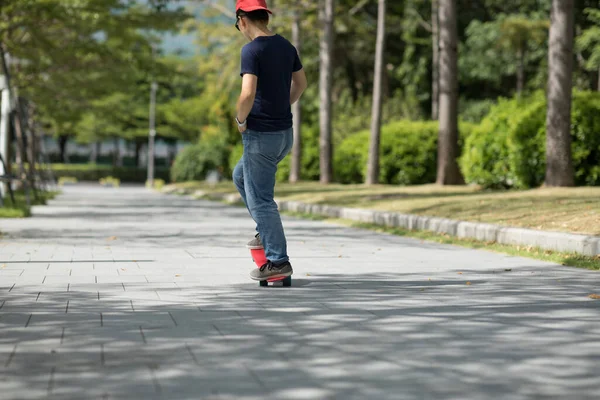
x=126 y=294
x=328 y=337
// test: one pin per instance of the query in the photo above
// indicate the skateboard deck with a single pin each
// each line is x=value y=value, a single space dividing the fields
x=259 y=258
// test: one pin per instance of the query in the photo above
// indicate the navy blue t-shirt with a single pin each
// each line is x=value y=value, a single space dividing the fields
x=272 y=59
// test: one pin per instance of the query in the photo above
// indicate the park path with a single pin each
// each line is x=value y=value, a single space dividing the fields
x=129 y=294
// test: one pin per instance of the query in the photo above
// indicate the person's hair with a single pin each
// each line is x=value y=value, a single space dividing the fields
x=261 y=16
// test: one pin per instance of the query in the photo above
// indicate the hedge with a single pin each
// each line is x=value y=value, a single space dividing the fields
x=196 y=161
x=93 y=172
x=508 y=148
x=408 y=154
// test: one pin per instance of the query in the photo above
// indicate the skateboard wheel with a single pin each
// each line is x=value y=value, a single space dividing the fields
x=287 y=282
x=263 y=283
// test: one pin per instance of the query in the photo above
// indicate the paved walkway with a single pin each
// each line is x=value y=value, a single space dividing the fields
x=121 y=293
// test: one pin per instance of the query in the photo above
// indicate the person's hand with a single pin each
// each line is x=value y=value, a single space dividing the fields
x=242 y=127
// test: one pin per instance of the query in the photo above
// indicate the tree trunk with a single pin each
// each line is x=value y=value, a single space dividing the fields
x=373 y=165
x=351 y=76
x=95 y=153
x=31 y=150
x=296 y=161
x=172 y=153
x=448 y=172
x=325 y=85
x=16 y=115
x=5 y=146
x=435 y=67
x=62 y=145
x=520 y=71
x=559 y=165
x=599 y=79
x=21 y=156
x=138 y=148
x=117 y=159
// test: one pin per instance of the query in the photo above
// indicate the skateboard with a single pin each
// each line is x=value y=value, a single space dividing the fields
x=259 y=258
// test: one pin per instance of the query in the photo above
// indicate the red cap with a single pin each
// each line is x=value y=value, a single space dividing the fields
x=252 y=5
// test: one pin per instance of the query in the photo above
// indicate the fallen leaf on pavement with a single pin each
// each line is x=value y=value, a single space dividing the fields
x=112 y=238
x=307 y=274
x=3 y=265
x=594 y=296
x=508 y=269
x=460 y=273
x=177 y=274
x=468 y=283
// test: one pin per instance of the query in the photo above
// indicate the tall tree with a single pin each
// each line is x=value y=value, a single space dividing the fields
x=448 y=172
x=296 y=161
x=435 y=62
x=559 y=164
x=326 y=44
x=72 y=52
x=373 y=165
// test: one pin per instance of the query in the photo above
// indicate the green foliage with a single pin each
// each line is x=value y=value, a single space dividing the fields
x=508 y=148
x=110 y=181
x=489 y=154
x=589 y=41
x=68 y=180
x=494 y=49
x=72 y=52
x=474 y=110
x=585 y=125
x=19 y=208
x=235 y=155
x=408 y=153
x=93 y=172
x=157 y=184
x=195 y=161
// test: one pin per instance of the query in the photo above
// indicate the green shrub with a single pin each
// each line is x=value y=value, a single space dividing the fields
x=508 y=148
x=93 y=172
x=585 y=125
x=526 y=142
x=485 y=156
x=234 y=157
x=110 y=181
x=474 y=110
x=194 y=162
x=66 y=180
x=408 y=154
x=157 y=184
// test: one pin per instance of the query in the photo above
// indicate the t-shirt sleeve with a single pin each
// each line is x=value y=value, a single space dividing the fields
x=297 y=62
x=249 y=62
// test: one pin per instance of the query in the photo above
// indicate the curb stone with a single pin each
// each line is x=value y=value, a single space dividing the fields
x=548 y=240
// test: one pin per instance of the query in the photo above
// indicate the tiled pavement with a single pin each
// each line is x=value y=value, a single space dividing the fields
x=123 y=293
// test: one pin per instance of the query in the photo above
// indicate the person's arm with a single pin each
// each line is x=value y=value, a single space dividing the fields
x=246 y=100
x=299 y=85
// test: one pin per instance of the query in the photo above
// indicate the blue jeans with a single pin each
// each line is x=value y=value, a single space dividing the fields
x=254 y=178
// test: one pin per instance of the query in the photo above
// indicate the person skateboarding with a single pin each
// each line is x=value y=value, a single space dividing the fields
x=272 y=80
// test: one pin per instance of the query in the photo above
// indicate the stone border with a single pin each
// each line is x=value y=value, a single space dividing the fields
x=555 y=241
